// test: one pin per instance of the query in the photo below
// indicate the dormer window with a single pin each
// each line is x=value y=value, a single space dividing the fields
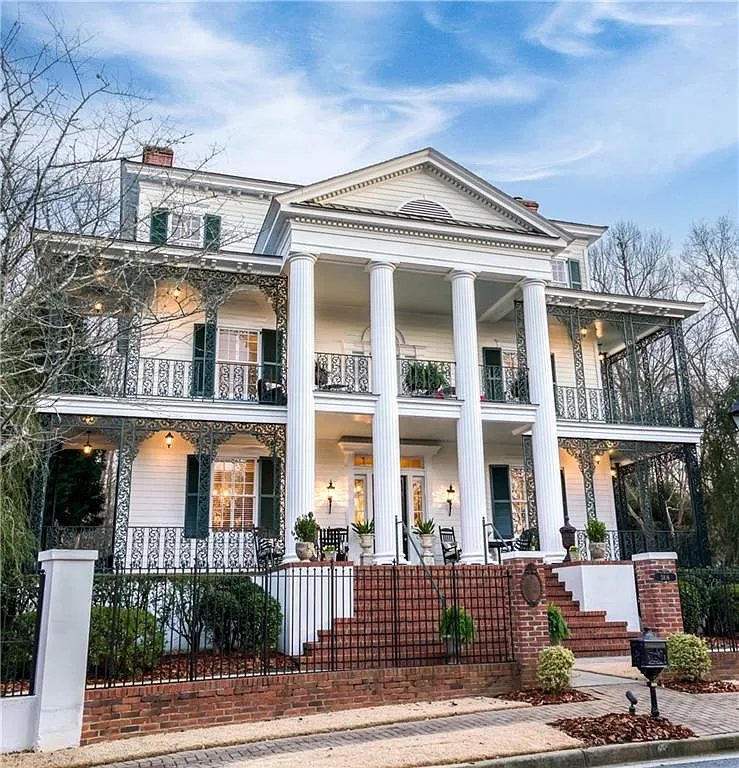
x=567 y=273
x=181 y=228
x=186 y=229
x=426 y=208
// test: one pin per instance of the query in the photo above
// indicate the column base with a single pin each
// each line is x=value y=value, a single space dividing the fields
x=384 y=558
x=472 y=559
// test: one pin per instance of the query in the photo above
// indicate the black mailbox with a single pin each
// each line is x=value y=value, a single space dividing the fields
x=649 y=656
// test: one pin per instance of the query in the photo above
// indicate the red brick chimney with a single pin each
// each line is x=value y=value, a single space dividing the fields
x=530 y=204
x=158 y=156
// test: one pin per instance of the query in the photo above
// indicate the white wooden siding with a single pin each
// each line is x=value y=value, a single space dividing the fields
x=392 y=194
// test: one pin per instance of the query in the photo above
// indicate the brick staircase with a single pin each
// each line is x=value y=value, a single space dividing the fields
x=405 y=632
x=591 y=634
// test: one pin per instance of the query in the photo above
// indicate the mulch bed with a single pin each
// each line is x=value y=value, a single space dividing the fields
x=705 y=686
x=621 y=729
x=538 y=698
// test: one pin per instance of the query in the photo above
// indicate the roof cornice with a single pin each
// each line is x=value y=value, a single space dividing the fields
x=614 y=302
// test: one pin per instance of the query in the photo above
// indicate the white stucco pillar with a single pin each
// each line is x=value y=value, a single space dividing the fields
x=385 y=425
x=544 y=432
x=470 y=453
x=61 y=666
x=301 y=419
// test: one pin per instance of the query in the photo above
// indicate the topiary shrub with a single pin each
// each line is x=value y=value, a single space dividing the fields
x=554 y=667
x=723 y=611
x=688 y=657
x=558 y=629
x=125 y=642
x=694 y=604
x=237 y=614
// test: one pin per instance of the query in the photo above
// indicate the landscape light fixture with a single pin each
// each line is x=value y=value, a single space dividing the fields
x=169 y=439
x=633 y=701
x=450 y=497
x=87 y=447
x=734 y=411
x=330 y=488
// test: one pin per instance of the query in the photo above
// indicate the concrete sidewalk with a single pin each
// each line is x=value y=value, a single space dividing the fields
x=401 y=736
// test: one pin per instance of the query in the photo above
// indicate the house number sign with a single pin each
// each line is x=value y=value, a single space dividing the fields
x=664 y=575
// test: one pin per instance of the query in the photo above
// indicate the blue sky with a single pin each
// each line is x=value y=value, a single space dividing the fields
x=599 y=111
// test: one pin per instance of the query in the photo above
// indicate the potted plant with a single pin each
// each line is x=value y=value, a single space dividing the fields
x=558 y=629
x=424 y=529
x=329 y=553
x=574 y=554
x=366 y=534
x=456 y=627
x=596 y=533
x=305 y=534
x=415 y=378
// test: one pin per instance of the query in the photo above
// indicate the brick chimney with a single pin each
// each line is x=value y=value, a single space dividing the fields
x=158 y=156
x=532 y=205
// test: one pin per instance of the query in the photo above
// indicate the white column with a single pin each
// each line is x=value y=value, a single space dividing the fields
x=61 y=666
x=544 y=432
x=470 y=453
x=385 y=425
x=301 y=424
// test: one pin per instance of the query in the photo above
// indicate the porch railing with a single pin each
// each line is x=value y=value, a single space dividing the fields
x=591 y=404
x=621 y=545
x=427 y=378
x=504 y=384
x=115 y=376
x=342 y=373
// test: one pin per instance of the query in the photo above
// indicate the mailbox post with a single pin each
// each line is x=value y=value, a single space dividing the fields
x=649 y=656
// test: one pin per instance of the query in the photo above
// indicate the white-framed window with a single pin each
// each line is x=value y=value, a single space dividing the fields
x=519 y=502
x=187 y=229
x=236 y=345
x=559 y=272
x=234 y=494
x=567 y=273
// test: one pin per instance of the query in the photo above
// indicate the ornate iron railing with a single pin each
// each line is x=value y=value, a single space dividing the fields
x=115 y=376
x=614 y=407
x=504 y=384
x=99 y=537
x=621 y=545
x=342 y=373
x=427 y=378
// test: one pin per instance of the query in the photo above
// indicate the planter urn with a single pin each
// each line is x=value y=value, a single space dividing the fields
x=597 y=550
x=427 y=546
x=305 y=550
x=330 y=556
x=367 y=545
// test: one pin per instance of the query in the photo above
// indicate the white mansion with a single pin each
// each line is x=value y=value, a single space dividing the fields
x=397 y=343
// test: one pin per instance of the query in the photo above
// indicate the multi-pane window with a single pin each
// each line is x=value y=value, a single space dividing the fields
x=360 y=498
x=559 y=272
x=186 y=229
x=238 y=346
x=567 y=273
x=234 y=494
x=520 y=508
x=238 y=373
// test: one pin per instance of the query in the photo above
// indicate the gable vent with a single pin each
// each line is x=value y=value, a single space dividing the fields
x=425 y=208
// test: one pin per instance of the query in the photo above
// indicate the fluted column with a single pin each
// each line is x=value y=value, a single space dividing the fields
x=385 y=425
x=544 y=432
x=301 y=425
x=470 y=453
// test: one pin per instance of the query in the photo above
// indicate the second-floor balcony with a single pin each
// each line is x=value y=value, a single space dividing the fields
x=116 y=376
x=427 y=378
x=342 y=373
x=616 y=407
x=504 y=384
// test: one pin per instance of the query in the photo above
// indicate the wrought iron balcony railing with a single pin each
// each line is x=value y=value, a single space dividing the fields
x=615 y=407
x=621 y=545
x=504 y=384
x=342 y=373
x=427 y=378
x=115 y=376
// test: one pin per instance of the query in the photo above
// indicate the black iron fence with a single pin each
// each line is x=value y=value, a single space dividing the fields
x=709 y=599
x=504 y=383
x=613 y=406
x=621 y=545
x=427 y=378
x=342 y=373
x=176 y=625
x=21 y=598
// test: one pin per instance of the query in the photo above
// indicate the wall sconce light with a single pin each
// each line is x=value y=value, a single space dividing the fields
x=87 y=447
x=98 y=306
x=583 y=331
x=614 y=473
x=89 y=419
x=169 y=439
x=330 y=488
x=177 y=292
x=601 y=354
x=450 y=497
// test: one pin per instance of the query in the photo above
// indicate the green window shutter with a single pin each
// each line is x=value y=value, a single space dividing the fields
x=492 y=360
x=270 y=354
x=212 y=241
x=573 y=267
x=203 y=360
x=197 y=496
x=501 y=496
x=269 y=495
x=564 y=489
x=553 y=361
x=158 y=226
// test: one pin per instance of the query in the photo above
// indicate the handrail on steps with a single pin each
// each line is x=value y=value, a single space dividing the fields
x=440 y=594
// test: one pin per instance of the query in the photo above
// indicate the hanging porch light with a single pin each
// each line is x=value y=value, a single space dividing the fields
x=169 y=439
x=87 y=447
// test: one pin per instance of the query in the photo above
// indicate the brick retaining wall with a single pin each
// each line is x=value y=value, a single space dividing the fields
x=116 y=713
x=725 y=665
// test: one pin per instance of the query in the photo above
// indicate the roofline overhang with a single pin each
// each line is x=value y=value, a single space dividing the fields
x=613 y=302
x=590 y=232
x=280 y=215
x=175 y=255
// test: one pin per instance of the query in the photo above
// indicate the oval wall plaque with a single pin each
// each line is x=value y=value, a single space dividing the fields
x=531 y=586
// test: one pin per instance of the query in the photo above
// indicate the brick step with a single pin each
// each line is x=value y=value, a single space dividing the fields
x=597 y=646
x=583 y=622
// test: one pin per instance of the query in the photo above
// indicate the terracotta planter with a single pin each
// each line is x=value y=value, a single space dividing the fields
x=305 y=550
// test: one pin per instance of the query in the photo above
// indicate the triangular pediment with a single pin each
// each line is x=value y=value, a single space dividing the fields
x=425 y=186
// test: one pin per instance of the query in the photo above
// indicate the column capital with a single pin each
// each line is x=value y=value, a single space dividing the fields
x=300 y=256
x=373 y=265
x=456 y=274
x=532 y=281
